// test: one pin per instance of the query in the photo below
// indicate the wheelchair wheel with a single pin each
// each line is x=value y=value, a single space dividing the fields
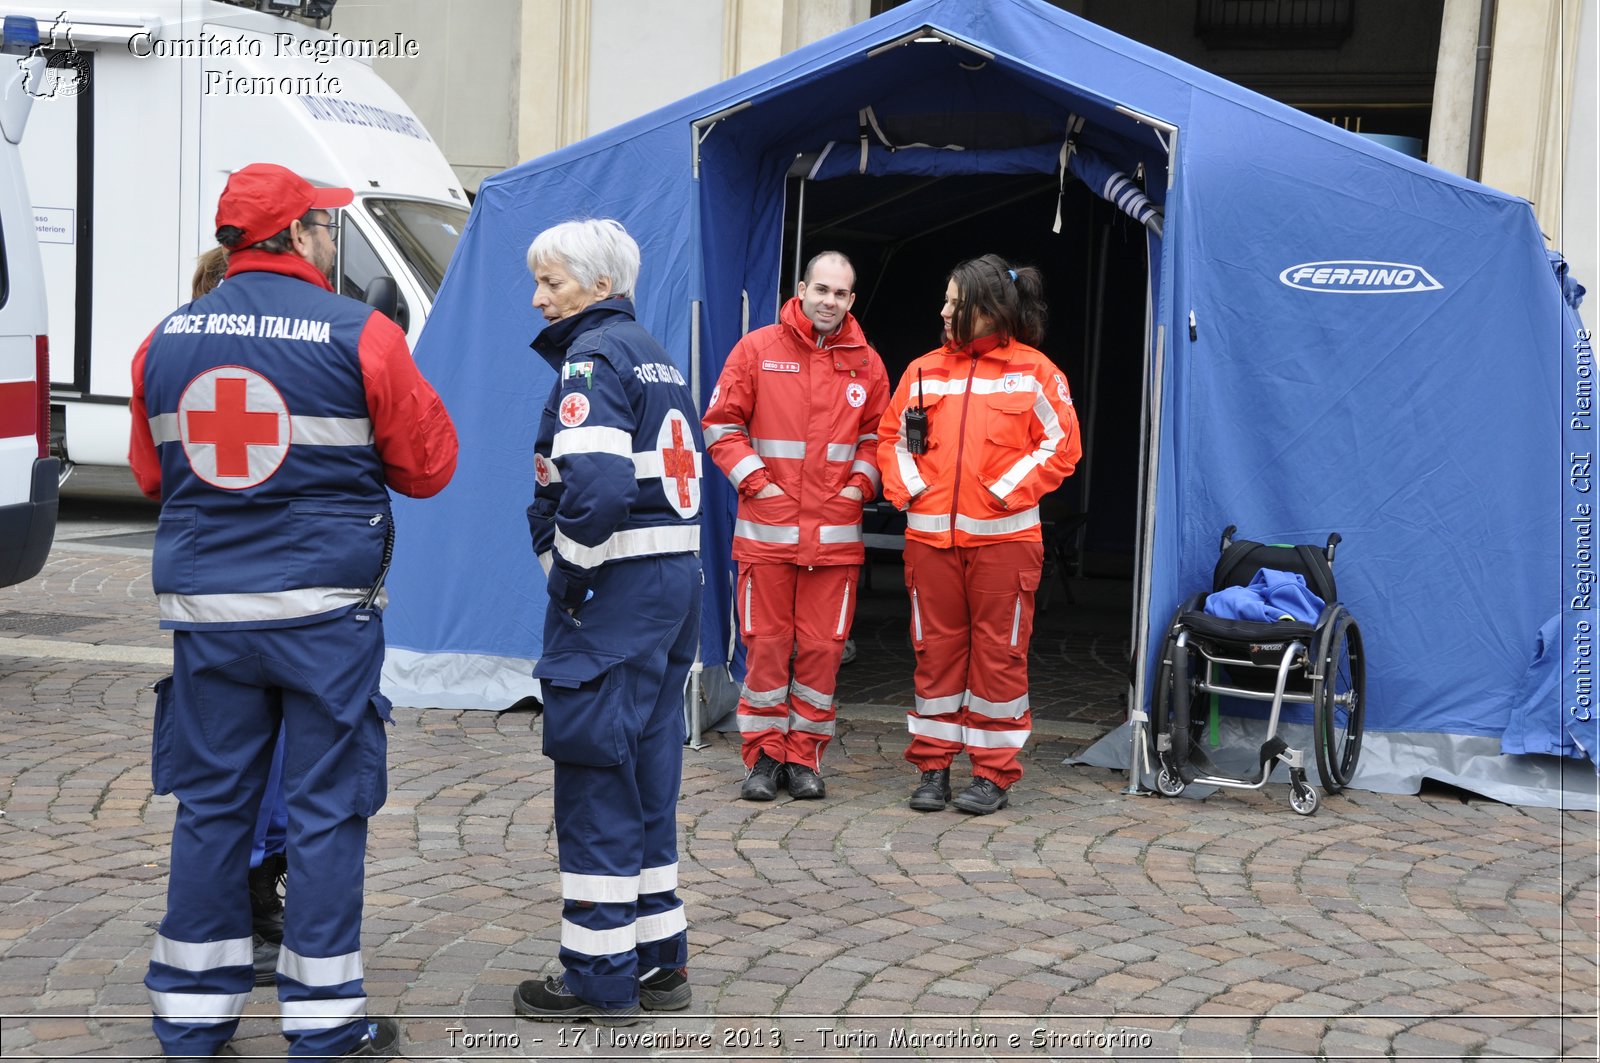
x=1303 y=797
x=1339 y=698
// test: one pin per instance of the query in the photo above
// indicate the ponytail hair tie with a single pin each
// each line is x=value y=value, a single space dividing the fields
x=1013 y=274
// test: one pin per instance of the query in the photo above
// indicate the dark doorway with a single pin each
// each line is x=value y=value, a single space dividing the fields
x=904 y=234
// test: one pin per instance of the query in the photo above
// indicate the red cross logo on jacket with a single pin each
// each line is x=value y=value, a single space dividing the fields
x=234 y=426
x=680 y=464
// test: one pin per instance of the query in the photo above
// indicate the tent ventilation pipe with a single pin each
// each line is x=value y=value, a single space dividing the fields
x=1480 y=91
x=928 y=35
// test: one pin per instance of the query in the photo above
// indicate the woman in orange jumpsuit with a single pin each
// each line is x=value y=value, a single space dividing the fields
x=1000 y=434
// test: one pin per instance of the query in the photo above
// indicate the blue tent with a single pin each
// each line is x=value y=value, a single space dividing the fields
x=1335 y=336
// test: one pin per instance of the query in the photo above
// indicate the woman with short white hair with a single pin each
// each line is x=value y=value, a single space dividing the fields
x=616 y=526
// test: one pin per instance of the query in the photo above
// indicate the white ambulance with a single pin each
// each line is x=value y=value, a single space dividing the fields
x=28 y=474
x=147 y=107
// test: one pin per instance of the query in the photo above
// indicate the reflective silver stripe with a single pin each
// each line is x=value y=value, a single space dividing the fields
x=324 y=971
x=782 y=534
x=714 y=432
x=756 y=724
x=844 y=612
x=633 y=542
x=916 y=616
x=594 y=439
x=829 y=534
x=928 y=522
x=842 y=451
x=983 y=386
x=1053 y=435
x=998 y=710
x=815 y=698
x=744 y=467
x=906 y=462
x=940 y=522
x=661 y=879
x=764 y=699
x=870 y=471
x=939 y=706
x=164 y=428
x=996 y=739
x=256 y=605
x=1016 y=622
x=597 y=942
x=870 y=437
x=311 y=431
x=949 y=732
x=331 y=431
x=600 y=889
x=547 y=561
x=1026 y=518
x=648 y=464
x=201 y=955
x=198 y=1009
x=660 y=927
x=779 y=448
x=301 y=1016
x=815 y=727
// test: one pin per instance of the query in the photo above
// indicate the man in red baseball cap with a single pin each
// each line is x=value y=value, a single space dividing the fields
x=271 y=207
x=271 y=417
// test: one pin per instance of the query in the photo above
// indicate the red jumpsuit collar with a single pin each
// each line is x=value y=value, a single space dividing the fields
x=287 y=263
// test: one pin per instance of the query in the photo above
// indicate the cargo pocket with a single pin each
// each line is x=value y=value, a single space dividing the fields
x=583 y=710
x=161 y=739
x=1022 y=615
x=372 y=741
x=172 y=564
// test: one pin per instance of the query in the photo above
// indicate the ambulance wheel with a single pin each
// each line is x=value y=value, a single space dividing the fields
x=1303 y=797
x=1340 y=701
x=1169 y=782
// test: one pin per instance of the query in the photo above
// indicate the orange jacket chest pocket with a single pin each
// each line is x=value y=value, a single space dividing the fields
x=1009 y=420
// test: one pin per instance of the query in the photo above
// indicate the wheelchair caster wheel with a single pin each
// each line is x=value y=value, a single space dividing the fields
x=1169 y=782
x=1303 y=798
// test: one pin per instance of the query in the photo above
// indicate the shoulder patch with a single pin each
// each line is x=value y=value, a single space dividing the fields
x=574 y=409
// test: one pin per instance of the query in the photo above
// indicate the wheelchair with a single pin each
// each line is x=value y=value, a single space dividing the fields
x=1321 y=665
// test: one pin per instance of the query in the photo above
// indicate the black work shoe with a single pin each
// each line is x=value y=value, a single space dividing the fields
x=805 y=784
x=666 y=990
x=264 y=958
x=266 y=898
x=551 y=1001
x=379 y=1043
x=933 y=792
x=761 y=784
x=982 y=797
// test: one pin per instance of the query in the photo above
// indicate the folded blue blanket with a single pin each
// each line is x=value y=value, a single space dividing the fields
x=1271 y=595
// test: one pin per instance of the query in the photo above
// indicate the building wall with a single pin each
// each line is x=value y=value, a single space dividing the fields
x=500 y=81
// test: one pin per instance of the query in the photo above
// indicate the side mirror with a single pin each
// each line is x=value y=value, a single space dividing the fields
x=383 y=295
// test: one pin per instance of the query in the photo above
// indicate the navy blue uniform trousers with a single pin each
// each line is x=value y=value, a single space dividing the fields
x=612 y=680
x=217 y=722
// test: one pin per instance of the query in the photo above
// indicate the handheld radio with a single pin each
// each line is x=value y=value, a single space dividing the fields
x=917 y=423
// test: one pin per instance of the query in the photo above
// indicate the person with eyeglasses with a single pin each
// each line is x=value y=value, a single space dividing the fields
x=271 y=417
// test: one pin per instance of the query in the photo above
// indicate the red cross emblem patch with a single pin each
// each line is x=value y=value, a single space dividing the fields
x=574 y=409
x=234 y=426
x=541 y=470
x=680 y=464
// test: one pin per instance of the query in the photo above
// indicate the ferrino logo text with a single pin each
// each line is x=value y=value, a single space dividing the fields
x=1356 y=277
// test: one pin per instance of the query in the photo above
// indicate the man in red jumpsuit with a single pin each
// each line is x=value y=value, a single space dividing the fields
x=793 y=424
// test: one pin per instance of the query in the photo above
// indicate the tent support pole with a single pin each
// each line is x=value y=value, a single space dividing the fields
x=1138 y=719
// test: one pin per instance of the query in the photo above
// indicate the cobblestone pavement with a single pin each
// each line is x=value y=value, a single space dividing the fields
x=1083 y=923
